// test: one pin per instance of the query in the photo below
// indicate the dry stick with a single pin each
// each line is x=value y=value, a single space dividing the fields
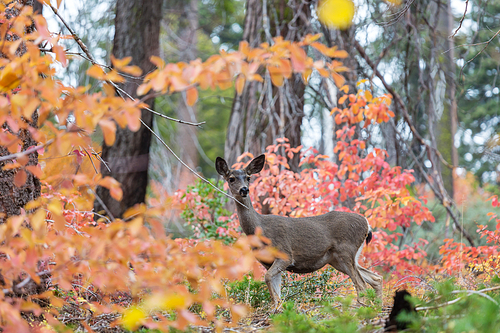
x=94 y=62
x=442 y=196
x=477 y=55
x=469 y=292
x=398 y=99
x=461 y=20
x=189 y=168
x=26 y=152
x=436 y=192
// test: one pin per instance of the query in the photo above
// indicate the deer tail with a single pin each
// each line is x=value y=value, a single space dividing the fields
x=369 y=236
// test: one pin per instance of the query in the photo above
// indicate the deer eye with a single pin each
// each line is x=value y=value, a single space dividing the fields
x=232 y=179
x=248 y=178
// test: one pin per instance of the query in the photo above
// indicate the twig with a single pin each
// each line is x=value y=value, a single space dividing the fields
x=469 y=292
x=442 y=194
x=94 y=62
x=102 y=203
x=188 y=167
x=26 y=152
x=461 y=20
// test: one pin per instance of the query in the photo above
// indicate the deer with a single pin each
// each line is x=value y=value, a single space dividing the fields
x=309 y=243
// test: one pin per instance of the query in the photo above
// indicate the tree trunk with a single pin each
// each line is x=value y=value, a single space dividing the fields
x=13 y=198
x=137 y=28
x=264 y=113
x=187 y=135
x=446 y=106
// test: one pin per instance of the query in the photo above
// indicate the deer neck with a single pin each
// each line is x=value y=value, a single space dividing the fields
x=249 y=218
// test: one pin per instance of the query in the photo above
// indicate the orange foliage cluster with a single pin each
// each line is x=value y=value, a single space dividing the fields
x=457 y=256
x=55 y=246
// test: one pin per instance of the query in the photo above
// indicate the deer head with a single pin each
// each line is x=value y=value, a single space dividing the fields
x=238 y=180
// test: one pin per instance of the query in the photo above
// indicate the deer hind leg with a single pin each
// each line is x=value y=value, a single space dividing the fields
x=273 y=281
x=347 y=266
x=373 y=279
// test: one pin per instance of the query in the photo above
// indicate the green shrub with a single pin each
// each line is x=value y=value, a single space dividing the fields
x=205 y=213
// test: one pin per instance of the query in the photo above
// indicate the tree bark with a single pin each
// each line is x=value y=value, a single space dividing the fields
x=263 y=113
x=446 y=105
x=13 y=198
x=187 y=135
x=137 y=29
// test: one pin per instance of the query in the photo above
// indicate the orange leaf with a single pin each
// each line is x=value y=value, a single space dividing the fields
x=96 y=72
x=108 y=128
x=240 y=84
x=60 y=55
x=35 y=170
x=20 y=178
x=113 y=186
x=120 y=63
x=191 y=96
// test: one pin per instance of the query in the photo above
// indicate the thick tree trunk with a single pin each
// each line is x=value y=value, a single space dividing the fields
x=264 y=113
x=137 y=28
x=13 y=198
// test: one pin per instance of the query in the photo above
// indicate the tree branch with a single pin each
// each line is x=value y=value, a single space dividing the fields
x=443 y=196
x=94 y=62
x=26 y=152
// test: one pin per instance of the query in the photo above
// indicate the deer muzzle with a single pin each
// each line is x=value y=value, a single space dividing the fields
x=244 y=191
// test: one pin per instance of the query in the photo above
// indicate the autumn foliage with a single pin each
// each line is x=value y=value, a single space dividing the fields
x=57 y=256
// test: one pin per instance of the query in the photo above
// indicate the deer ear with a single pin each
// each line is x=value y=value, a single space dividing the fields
x=221 y=167
x=256 y=165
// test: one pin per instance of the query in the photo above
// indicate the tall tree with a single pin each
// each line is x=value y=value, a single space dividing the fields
x=14 y=197
x=188 y=51
x=137 y=29
x=263 y=113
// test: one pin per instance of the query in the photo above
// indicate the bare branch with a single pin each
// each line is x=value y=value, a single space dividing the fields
x=26 y=152
x=443 y=196
x=461 y=20
x=90 y=58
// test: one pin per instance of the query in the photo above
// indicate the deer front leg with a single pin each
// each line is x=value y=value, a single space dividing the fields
x=273 y=281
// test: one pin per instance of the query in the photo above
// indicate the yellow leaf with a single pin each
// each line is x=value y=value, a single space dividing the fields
x=191 y=96
x=157 y=61
x=30 y=108
x=120 y=63
x=174 y=302
x=135 y=225
x=132 y=70
x=109 y=90
x=132 y=318
x=336 y=13
x=96 y=72
x=54 y=207
x=38 y=220
x=276 y=76
x=240 y=84
x=368 y=96
x=108 y=128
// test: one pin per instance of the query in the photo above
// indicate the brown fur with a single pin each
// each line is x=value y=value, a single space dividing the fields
x=310 y=243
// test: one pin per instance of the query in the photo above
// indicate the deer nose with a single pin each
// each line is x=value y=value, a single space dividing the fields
x=244 y=191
